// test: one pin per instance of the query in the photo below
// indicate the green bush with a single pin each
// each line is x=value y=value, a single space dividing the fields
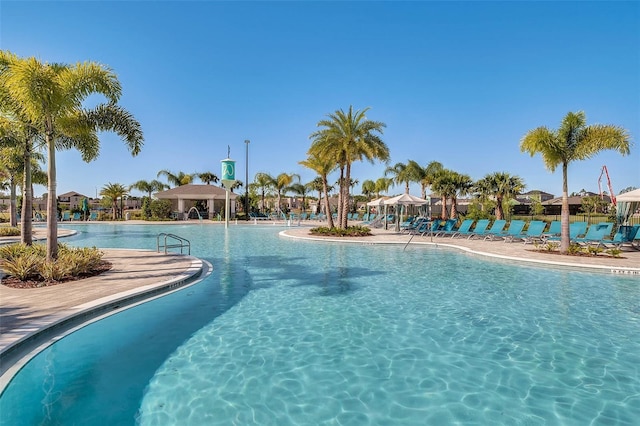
x=351 y=231
x=9 y=231
x=161 y=209
x=29 y=262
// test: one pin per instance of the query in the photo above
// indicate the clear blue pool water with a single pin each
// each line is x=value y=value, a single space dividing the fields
x=287 y=332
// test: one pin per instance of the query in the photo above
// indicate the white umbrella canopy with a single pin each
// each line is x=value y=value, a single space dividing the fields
x=629 y=196
x=627 y=204
x=377 y=202
x=406 y=200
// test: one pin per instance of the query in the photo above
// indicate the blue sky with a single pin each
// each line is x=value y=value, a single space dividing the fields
x=455 y=82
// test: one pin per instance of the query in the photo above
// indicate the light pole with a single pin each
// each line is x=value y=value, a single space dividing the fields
x=246 y=181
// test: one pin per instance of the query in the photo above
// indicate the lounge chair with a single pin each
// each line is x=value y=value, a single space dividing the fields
x=420 y=228
x=431 y=228
x=93 y=216
x=576 y=229
x=480 y=228
x=623 y=236
x=447 y=228
x=533 y=233
x=555 y=227
x=595 y=233
x=496 y=228
x=76 y=216
x=65 y=216
x=413 y=226
x=515 y=228
x=464 y=228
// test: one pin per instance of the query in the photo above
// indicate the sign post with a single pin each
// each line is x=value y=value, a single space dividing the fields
x=228 y=179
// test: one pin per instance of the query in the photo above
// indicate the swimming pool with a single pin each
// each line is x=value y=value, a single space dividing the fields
x=295 y=332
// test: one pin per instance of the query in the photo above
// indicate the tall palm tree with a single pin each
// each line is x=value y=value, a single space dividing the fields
x=502 y=187
x=348 y=137
x=208 y=177
x=263 y=183
x=114 y=191
x=427 y=175
x=148 y=186
x=405 y=173
x=572 y=141
x=12 y=167
x=322 y=165
x=178 y=179
x=51 y=96
x=449 y=184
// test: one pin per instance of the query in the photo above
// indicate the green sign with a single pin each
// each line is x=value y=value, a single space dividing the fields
x=228 y=169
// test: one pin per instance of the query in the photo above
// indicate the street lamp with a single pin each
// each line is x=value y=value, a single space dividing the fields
x=246 y=181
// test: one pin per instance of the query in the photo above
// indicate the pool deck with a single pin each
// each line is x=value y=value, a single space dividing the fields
x=26 y=314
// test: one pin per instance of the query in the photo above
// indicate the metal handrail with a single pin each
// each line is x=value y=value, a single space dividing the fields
x=180 y=243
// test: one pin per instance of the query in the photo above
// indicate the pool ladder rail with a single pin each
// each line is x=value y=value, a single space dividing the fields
x=174 y=242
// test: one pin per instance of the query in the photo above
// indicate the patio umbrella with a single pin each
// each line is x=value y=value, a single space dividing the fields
x=404 y=200
x=627 y=204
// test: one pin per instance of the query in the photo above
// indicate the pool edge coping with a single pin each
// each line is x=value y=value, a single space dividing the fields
x=621 y=270
x=17 y=354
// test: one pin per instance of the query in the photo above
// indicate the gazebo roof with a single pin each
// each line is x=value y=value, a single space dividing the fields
x=195 y=192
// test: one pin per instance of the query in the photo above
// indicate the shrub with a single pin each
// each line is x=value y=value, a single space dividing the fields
x=351 y=231
x=28 y=262
x=161 y=209
x=9 y=231
x=24 y=266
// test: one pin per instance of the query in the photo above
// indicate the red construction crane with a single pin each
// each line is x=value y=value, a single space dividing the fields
x=611 y=193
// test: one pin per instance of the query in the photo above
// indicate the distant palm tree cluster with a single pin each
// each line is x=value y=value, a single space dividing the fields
x=41 y=109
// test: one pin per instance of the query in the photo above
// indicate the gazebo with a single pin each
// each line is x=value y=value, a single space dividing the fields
x=184 y=197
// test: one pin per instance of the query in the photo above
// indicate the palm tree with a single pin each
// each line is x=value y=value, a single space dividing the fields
x=572 y=141
x=368 y=188
x=282 y=184
x=449 y=184
x=322 y=165
x=347 y=137
x=262 y=182
x=382 y=185
x=301 y=190
x=208 y=177
x=405 y=173
x=148 y=186
x=427 y=176
x=12 y=167
x=178 y=179
x=502 y=187
x=113 y=191
x=51 y=96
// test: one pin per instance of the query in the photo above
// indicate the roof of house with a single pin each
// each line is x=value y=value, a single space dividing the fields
x=71 y=194
x=195 y=192
x=575 y=199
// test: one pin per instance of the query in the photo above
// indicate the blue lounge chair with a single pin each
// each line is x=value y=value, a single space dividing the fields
x=464 y=228
x=480 y=228
x=431 y=228
x=76 y=216
x=496 y=228
x=576 y=229
x=515 y=228
x=555 y=227
x=93 y=216
x=596 y=233
x=447 y=228
x=624 y=235
x=65 y=216
x=533 y=233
